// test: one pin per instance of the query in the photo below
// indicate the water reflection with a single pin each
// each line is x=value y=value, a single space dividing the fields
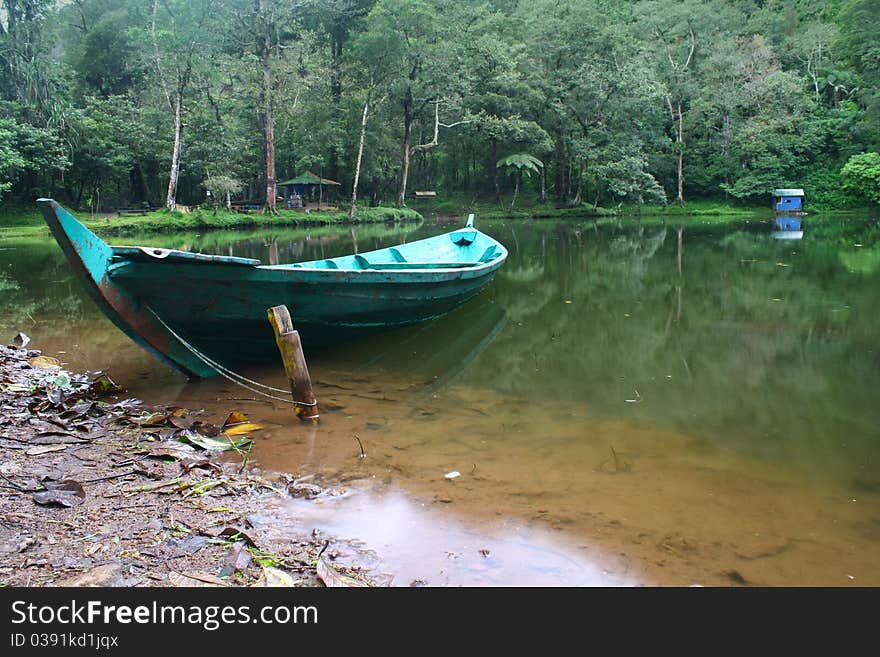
x=417 y=544
x=788 y=227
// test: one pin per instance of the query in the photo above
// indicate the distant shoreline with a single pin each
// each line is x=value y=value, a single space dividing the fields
x=24 y=222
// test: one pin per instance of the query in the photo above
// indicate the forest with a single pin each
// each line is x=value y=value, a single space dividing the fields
x=107 y=103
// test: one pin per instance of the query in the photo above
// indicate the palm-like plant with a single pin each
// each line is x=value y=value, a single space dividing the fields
x=518 y=164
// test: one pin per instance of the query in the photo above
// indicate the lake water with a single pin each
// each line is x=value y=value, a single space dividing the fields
x=626 y=405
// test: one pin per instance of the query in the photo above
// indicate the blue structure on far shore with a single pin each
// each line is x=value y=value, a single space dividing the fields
x=788 y=200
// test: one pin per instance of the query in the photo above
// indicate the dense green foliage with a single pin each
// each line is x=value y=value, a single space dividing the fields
x=623 y=102
x=861 y=176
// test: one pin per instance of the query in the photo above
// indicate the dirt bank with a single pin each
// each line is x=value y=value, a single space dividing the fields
x=99 y=489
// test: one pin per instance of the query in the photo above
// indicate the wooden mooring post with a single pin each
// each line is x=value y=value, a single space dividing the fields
x=290 y=347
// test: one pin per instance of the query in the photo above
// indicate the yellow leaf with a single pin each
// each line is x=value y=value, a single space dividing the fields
x=45 y=363
x=235 y=417
x=242 y=429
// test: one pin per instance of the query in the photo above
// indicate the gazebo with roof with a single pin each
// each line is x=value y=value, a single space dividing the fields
x=308 y=185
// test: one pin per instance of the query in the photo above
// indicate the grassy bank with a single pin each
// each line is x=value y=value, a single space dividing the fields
x=25 y=222
x=200 y=220
x=20 y=221
x=529 y=208
x=697 y=208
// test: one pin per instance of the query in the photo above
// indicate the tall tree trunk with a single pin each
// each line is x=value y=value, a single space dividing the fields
x=569 y=165
x=496 y=181
x=271 y=181
x=580 y=187
x=256 y=191
x=726 y=135
x=357 y=167
x=560 y=168
x=171 y=197
x=680 y=142
x=515 y=189
x=543 y=185
x=269 y=120
x=407 y=140
x=336 y=92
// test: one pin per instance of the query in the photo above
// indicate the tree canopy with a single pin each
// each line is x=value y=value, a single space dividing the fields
x=118 y=102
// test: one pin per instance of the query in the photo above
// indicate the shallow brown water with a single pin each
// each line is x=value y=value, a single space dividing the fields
x=613 y=421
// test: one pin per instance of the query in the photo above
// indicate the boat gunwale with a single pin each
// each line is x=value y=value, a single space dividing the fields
x=254 y=264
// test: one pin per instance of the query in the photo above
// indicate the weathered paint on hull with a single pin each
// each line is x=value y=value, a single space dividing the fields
x=89 y=256
x=227 y=319
x=219 y=304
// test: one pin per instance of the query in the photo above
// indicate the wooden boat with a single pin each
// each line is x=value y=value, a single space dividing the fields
x=194 y=311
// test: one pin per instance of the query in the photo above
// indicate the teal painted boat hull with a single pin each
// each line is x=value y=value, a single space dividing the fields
x=166 y=299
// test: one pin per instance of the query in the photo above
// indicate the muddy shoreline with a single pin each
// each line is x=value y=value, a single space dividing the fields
x=99 y=489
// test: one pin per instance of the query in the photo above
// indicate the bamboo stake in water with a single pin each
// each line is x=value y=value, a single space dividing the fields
x=290 y=347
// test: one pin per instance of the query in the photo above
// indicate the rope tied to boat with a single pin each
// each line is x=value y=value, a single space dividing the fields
x=231 y=375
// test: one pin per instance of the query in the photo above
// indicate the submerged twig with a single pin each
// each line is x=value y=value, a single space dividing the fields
x=361 y=445
x=620 y=464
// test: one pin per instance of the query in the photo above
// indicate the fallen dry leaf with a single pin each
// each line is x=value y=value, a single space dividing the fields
x=65 y=492
x=275 y=578
x=332 y=578
x=194 y=579
x=234 y=534
x=238 y=558
x=106 y=575
x=36 y=451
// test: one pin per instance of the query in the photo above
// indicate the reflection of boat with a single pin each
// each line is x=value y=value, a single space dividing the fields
x=180 y=305
x=788 y=227
x=441 y=349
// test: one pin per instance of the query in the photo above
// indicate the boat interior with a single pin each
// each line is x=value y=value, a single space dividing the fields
x=460 y=249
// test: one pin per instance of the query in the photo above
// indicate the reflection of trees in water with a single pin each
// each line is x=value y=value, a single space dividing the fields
x=37 y=285
x=637 y=243
x=750 y=345
x=280 y=246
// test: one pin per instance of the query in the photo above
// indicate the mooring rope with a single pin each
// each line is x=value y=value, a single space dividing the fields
x=228 y=373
